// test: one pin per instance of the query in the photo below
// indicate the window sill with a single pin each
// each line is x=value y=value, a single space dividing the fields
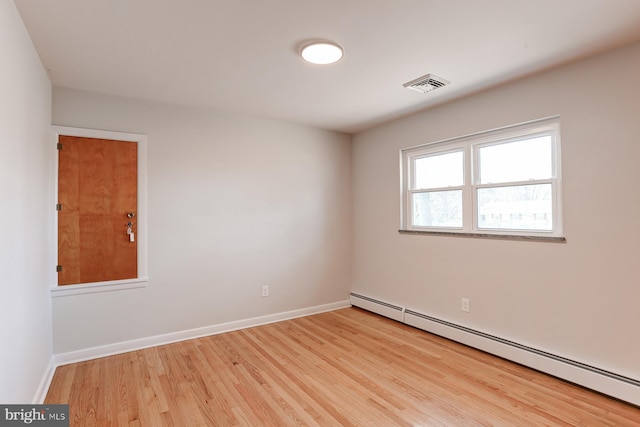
x=92 y=288
x=549 y=239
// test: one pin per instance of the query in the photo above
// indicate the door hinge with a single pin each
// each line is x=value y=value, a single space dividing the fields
x=58 y=268
x=59 y=207
x=59 y=146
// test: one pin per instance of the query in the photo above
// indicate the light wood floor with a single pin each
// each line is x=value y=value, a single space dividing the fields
x=343 y=368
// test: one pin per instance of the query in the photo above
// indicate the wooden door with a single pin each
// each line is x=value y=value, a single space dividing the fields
x=97 y=193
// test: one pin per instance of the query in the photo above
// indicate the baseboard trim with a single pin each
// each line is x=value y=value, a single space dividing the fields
x=43 y=387
x=142 y=343
x=603 y=381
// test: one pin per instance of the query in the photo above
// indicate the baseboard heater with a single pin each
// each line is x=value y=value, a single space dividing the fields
x=607 y=382
x=382 y=308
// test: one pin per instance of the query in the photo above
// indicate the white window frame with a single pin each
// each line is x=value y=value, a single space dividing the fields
x=470 y=144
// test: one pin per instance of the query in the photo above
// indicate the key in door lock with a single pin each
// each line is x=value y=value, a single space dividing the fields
x=131 y=215
x=130 y=232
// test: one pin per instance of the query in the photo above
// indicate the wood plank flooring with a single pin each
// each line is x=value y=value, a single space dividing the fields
x=343 y=368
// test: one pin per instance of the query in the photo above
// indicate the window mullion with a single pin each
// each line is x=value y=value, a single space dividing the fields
x=468 y=206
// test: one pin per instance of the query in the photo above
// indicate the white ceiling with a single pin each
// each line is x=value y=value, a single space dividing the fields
x=241 y=55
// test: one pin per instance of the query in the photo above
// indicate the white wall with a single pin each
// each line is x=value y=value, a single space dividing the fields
x=578 y=299
x=25 y=118
x=234 y=203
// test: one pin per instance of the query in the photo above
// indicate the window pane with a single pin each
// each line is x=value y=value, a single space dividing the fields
x=438 y=209
x=441 y=170
x=523 y=207
x=516 y=161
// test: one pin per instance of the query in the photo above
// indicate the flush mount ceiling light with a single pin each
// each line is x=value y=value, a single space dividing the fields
x=322 y=52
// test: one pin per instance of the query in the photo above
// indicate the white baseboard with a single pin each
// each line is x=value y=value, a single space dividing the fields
x=43 y=387
x=606 y=382
x=141 y=343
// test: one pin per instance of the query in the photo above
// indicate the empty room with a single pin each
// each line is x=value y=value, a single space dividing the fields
x=335 y=213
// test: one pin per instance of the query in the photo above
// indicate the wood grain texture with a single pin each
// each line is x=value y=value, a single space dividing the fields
x=97 y=187
x=343 y=368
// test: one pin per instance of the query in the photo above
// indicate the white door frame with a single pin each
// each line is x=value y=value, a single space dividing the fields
x=141 y=215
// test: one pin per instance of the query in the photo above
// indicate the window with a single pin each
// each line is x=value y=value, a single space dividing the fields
x=502 y=182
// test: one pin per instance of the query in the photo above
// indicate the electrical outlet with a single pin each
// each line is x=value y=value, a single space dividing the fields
x=265 y=290
x=465 y=305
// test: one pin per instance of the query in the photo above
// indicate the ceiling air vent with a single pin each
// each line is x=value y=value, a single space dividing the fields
x=426 y=83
